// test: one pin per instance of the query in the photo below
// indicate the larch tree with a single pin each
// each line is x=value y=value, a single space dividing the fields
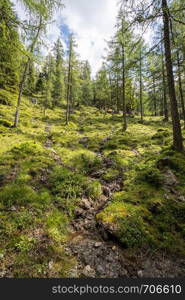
x=40 y=13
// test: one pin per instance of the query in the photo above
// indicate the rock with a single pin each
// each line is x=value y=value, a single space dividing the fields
x=166 y=196
x=181 y=198
x=13 y=208
x=124 y=272
x=106 y=191
x=110 y=259
x=102 y=200
x=140 y=274
x=98 y=244
x=163 y=162
x=98 y=174
x=100 y=269
x=169 y=178
x=114 y=187
x=79 y=212
x=84 y=140
x=50 y=265
x=88 y=271
x=85 y=203
x=73 y=273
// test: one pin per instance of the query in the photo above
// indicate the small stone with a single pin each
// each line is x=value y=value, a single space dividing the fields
x=85 y=203
x=140 y=274
x=13 y=208
x=170 y=178
x=98 y=244
x=88 y=271
x=114 y=248
x=50 y=265
x=182 y=198
x=100 y=269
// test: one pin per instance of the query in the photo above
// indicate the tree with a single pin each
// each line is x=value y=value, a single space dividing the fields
x=40 y=14
x=177 y=134
x=102 y=88
x=10 y=46
x=145 y=13
x=69 y=79
x=86 y=83
x=58 y=84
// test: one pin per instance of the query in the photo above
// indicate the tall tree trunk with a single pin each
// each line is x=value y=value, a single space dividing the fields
x=166 y=116
x=177 y=133
x=21 y=85
x=123 y=90
x=117 y=94
x=141 y=88
x=155 y=102
x=180 y=87
x=69 y=84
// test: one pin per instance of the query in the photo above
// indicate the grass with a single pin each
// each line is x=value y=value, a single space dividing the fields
x=39 y=191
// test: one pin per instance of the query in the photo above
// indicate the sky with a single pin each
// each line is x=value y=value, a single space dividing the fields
x=92 y=22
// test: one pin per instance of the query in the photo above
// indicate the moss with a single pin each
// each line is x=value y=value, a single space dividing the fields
x=5 y=123
x=7 y=98
x=131 y=229
x=94 y=189
x=22 y=195
x=25 y=149
x=57 y=225
x=161 y=134
x=111 y=175
x=40 y=188
x=151 y=175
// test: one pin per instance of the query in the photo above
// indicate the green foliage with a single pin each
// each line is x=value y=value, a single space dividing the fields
x=111 y=175
x=7 y=98
x=67 y=184
x=20 y=194
x=9 y=47
x=27 y=149
x=151 y=175
x=5 y=123
x=94 y=189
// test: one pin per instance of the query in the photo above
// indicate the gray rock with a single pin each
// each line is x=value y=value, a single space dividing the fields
x=84 y=140
x=182 y=198
x=88 y=271
x=169 y=178
x=85 y=203
x=98 y=244
x=100 y=269
x=140 y=274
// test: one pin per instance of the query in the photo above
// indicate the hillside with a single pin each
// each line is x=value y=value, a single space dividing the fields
x=88 y=199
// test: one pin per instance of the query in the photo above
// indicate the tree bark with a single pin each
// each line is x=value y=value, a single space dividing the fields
x=155 y=102
x=141 y=88
x=21 y=85
x=69 y=84
x=123 y=90
x=166 y=115
x=180 y=87
x=177 y=133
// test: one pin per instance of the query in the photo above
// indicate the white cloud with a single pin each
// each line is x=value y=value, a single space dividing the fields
x=92 y=22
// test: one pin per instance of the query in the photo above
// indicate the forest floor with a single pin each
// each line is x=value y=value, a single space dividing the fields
x=88 y=200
